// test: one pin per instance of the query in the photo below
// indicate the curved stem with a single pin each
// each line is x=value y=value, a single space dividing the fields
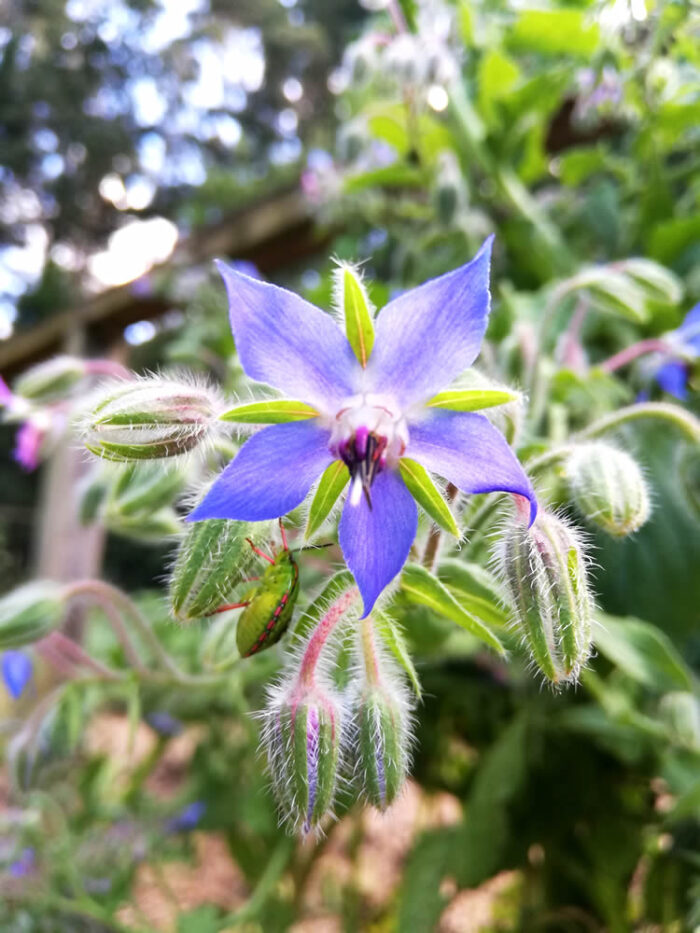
x=115 y=602
x=103 y=595
x=679 y=417
x=321 y=634
x=635 y=350
x=57 y=647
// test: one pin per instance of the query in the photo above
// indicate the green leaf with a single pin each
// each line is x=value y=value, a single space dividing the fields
x=555 y=32
x=392 y=636
x=428 y=496
x=359 y=326
x=496 y=77
x=643 y=652
x=471 y=586
x=659 y=282
x=332 y=482
x=471 y=399
x=270 y=411
x=423 y=588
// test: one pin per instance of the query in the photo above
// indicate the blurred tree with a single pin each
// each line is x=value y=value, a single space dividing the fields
x=111 y=110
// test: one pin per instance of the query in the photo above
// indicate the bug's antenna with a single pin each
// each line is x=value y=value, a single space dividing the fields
x=259 y=552
x=314 y=547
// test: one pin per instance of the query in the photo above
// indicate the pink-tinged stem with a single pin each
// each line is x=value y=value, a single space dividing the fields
x=59 y=649
x=522 y=508
x=572 y=351
x=321 y=634
x=652 y=345
x=107 y=368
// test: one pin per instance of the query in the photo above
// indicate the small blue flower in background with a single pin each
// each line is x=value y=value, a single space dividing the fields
x=189 y=818
x=367 y=417
x=16 y=672
x=24 y=865
x=164 y=723
x=672 y=375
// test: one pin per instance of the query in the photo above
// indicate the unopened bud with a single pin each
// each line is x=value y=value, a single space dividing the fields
x=39 y=752
x=544 y=569
x=214 y=558
x=51 y=380
x=681 y=712
x=384 y=739
x=303 y=740
x=608 y=488
x=150 y=419
x=30 y=613
x=383 y=722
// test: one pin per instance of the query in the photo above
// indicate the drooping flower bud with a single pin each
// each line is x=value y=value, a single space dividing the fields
x=149 y=419
x=608 y=488
x=51 y=380
x=29 y=613
x=303 y=740
x=214 y=558
x=306 y=725
x=383 y=723
x=544 y=569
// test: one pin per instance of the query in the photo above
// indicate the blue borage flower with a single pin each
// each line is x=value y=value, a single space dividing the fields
x=684 y=342
x=17 y=670
x=369 y=417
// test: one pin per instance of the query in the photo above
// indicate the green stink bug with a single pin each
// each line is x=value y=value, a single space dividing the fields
x=268 y=608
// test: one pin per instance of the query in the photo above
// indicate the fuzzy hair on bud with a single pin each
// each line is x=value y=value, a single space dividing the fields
x=215 y=557
x=545 y=573
x=382 y=722
x=307 y=724
x=51 y=380
x=304 y=736
x=150 y=419
x=608 y=488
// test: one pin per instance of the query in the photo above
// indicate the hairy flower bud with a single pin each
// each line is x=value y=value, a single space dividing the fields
x=383 y=741
x=608 y=488
x=544 y=569
x=29 y=613
x=149 y=419
x=214 y=558
x=51 y=380
x=303 y=741
x=382 y=722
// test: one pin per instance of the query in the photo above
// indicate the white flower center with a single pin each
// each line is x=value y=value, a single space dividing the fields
x=368 y=433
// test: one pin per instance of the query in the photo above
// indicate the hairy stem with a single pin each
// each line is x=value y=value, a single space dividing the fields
x=652 y=345
x=321 y=634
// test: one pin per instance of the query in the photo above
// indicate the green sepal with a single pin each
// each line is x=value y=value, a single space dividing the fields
x=390 y=633
x=332 y=482
x=422 y=587
x=427 y=495
x=381 y=735
x=270 y=411
x=357 y=309
x=471 y=399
